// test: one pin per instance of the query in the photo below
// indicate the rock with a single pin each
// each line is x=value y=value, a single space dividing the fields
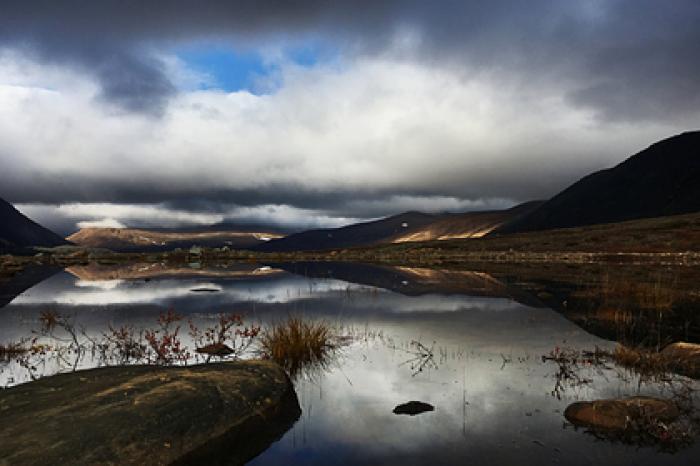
x=618 y=414
x=684 y=357
x=205 y=290
x=413 y=407
x=216 y=349
x=206 y=414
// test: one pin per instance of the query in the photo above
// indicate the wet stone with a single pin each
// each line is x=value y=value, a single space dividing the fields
x=413 y=408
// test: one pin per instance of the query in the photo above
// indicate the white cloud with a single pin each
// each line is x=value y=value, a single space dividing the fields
x=68 y=217
x=286 y=215
x=102 y=223
x=142 y=213
x=377 y=124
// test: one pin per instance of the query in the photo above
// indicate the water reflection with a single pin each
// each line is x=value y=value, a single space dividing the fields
x=482 y=336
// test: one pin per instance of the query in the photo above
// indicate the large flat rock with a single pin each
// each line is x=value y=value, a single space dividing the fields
x=224 y=413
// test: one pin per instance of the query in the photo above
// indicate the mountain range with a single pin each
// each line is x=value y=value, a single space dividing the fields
x=409 y=226
x=661 y=180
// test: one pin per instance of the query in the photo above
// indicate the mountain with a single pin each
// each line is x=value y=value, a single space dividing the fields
x=465 y=225
x=17 y=231
x=409 y=226
x=410 y=281
x=22 y=281
x=132 y=239
x=358 y=234
x=662 y=180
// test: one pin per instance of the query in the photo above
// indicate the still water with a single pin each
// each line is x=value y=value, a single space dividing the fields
x=473 y=352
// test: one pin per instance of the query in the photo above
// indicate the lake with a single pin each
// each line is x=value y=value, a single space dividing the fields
x=463 y=341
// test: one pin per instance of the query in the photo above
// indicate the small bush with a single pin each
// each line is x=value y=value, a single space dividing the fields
x=228 y=338
x=164 y=342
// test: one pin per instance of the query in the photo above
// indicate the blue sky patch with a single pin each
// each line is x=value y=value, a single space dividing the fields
x=233 y=70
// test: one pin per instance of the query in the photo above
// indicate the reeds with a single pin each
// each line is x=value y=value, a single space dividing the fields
x=654 y=365
x=297 y=344
x=657 y=295
x=641 y=361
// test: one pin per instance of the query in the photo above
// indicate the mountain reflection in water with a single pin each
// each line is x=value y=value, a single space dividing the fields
x=485 y=331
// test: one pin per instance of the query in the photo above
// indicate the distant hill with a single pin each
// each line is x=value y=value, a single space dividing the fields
x=358 y=234
x=662 y=180
x=409 y=226
x=18 y=231
x=132 y=239
x=465 y=225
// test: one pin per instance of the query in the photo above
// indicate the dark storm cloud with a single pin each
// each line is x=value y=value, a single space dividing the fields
x=627 y=59
x=630 y=61
x=133 y=84
x=202 y=198
x=365 y=202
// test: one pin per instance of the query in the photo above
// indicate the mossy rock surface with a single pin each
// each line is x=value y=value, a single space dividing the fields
x=223 y=413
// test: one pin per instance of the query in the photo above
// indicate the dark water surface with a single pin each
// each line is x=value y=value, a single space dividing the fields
x=495 y=400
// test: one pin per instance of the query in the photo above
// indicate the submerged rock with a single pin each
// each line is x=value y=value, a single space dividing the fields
x=206 y=414
x=205 y=290
x=216 y=349
x=413 y=407
x=621 y=414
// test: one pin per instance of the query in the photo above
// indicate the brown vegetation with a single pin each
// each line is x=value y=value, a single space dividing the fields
x=669 y=424
x=68 y=344
x=298 y=344
x=10 y=351
x=658 y=364
x=227 y=338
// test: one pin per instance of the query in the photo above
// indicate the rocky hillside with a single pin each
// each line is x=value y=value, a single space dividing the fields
x=131 y=239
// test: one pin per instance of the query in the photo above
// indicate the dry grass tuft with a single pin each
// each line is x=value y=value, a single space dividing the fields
x=297 y=344
x=652 y=364
x=644 y=362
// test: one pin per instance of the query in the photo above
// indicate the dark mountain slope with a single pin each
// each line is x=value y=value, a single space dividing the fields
x=663 y=179
x=18 y=231
x=359 y=234
x=21 y=282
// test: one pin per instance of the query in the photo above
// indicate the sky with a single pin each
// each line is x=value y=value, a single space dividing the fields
x=318 y=113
